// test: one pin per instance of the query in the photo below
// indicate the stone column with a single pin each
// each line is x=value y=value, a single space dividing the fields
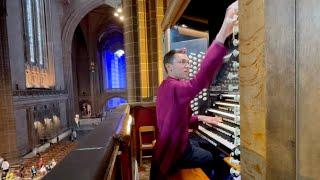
x=8 y=144
x=160 y=6
x=154 y=18
x=130 y=27
x=143 y=50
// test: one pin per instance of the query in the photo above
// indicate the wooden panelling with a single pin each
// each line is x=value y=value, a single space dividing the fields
x=252 y=75
x=308 y=88
x=280 y=89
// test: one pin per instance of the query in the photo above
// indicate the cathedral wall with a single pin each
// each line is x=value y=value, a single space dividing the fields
x=16 y=44
x=26 y=100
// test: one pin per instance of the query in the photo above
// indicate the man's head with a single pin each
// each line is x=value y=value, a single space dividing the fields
x=176 y=64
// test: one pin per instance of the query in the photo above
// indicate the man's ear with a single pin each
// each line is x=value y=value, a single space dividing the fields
x=168 y=67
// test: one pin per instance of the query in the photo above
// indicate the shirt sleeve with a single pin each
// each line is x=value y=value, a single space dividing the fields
x=210 y=66
x=193 y=124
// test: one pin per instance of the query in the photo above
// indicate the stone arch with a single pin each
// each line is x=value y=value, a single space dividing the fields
x=108 y=95
x=115 y=96
x=78 y=9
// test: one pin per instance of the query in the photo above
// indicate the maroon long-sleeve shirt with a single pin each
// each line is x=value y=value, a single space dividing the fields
x=173 y=110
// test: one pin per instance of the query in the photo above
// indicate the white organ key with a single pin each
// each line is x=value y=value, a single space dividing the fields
x=232 y=75
x=199 y=55
x=235 y=107
x=235 y=42
x=223 y=113
x=217 y=138
x=204 y=98
x=196 y=103
x=223 y=131
x=235 y=64
x=200 y=96
x=235 y=53
x=202 y=52
x=231 y=121
x=194 y=67
x=190 y=70
x=227 y=104
x=204 y=93
x=190 y=56
x=233 y=87
x=196 y=112
x=224 y=126
x=235 y=97
x=194 y=63
x=208 y=139
x=205 y=89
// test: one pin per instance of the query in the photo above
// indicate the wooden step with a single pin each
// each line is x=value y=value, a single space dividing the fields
x=189 y=174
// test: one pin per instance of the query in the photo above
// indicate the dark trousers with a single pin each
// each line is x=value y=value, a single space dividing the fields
x=199 y=153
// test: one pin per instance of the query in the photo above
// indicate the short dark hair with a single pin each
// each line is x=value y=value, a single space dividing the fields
x=169 y=57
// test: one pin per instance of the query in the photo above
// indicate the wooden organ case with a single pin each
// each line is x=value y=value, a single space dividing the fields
x=221 y=99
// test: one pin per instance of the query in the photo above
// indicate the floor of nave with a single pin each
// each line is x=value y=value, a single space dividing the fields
x=56 y=151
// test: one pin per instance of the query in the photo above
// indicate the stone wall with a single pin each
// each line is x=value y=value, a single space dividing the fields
x=8 y=144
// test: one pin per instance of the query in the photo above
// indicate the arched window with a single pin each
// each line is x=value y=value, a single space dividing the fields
x=35 y=32
x=115 y=102
x=114 y=68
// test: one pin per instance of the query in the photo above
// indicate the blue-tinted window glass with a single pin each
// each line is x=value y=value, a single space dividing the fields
x=115 y=102
x=114 y=69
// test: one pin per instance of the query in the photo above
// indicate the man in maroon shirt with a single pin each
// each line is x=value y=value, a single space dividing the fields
x=173 y=147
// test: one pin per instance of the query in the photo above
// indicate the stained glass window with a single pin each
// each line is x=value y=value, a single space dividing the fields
x=35 y=31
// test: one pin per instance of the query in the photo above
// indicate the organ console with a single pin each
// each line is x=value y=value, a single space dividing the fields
x=221 y=99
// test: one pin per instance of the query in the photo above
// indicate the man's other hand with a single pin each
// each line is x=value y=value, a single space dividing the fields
x=210 y=119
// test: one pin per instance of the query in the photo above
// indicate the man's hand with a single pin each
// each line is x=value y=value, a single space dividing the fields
x=229 y=20
x=209 y=119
